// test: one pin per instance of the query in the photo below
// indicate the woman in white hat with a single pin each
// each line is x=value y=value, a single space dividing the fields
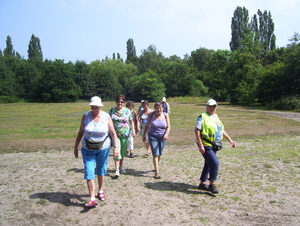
x=95 y=128
x=209 y=132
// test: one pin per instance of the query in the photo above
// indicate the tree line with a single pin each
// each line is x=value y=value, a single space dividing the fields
x=253 y=71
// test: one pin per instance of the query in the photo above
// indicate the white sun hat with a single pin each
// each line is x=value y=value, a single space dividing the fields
x=211 y=102
x=96 y=101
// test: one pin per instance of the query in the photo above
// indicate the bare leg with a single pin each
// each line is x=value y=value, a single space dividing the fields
x=117 y=164
x=156 y=160
x=148 y=148
x=101 y=182
x=121 y=162
x=91 y=187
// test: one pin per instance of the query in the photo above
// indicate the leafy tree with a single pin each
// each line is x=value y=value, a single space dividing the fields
x=273 y=83
x=201 y=57
x=35 y=49
x=174 y=58
x=292 y=76
x=147 y=86
x=25 y=74
x=84 y=79
x=150 y=60
x=266 y=31
x=9 y=50
x=131 y=52
x=295 y=39
x=215 y=78
x=106 y=82
x=239 y=27
x=122 y=72
x=241 y=78
x=57 y=83
x=8 y=82
x=179 y=81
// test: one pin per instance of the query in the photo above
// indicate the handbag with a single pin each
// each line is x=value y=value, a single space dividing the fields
x=216 y=145
x=95 y=146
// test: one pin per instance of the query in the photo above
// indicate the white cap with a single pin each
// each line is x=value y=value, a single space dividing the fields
x=96 y=101
x=164 y=99
x=211 y=102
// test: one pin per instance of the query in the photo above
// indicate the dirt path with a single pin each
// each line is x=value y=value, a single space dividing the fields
x=288 y=115
x=256 y=187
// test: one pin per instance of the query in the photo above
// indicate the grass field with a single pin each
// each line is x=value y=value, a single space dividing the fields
x=41 y=182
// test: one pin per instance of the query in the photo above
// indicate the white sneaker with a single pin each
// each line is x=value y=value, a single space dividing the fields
x=122 y=170
x=117 y=174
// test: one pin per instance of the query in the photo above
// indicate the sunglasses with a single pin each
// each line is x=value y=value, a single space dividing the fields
x=120 y=101
x=94 y=108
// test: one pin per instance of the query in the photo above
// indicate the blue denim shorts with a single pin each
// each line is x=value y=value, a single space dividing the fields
x=157 y=143
x=94 y=160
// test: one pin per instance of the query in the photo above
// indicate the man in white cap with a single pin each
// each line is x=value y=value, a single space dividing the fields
x=166 y=106
x=209 y=132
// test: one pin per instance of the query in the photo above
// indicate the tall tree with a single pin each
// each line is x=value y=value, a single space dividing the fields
x=35 y=49
x=131 y=52
x=266 y=31
x=9 y=50
x=239 y=27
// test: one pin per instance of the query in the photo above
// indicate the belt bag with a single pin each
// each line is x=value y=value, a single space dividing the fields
x=95 y=146
x=216 y=145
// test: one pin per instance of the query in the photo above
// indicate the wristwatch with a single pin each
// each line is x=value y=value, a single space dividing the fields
x=115 y=146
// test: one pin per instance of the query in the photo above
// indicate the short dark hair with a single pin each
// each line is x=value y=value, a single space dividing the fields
x=145 y=102
x=120 y=97
x=158 y=104
x=129 y=103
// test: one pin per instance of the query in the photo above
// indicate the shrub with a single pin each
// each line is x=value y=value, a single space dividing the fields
x=285 y=103
x=8 y=99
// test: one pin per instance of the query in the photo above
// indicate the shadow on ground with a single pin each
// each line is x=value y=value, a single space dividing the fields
x=63 y=198
x=174 y=186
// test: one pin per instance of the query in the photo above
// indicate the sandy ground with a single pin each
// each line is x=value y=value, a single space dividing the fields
x=47 y=188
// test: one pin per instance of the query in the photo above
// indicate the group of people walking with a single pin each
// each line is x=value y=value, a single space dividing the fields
x=100 y=131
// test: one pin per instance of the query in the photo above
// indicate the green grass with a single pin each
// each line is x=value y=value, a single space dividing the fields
x=35 y=121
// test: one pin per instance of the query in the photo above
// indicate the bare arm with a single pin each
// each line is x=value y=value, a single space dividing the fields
x=79 y=137
x=132 y=127
x=168 y=128
x=147 y=126
x=199 y=141
x=233 y=144
x=137 y=123
x=114 y=137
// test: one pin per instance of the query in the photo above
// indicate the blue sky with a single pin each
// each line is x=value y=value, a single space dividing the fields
x=93 y=29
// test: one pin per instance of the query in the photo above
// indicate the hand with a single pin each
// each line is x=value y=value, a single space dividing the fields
x=116 y=154
x=201 y=148
x=233 y=144
x=76 y=153
x=165 y=136
x=144 y=139
x=133 y=133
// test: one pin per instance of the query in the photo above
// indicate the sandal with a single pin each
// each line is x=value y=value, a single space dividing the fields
x=157 y=176
x=147 y=155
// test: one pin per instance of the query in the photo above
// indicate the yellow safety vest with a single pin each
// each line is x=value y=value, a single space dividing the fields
x=209 y=128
